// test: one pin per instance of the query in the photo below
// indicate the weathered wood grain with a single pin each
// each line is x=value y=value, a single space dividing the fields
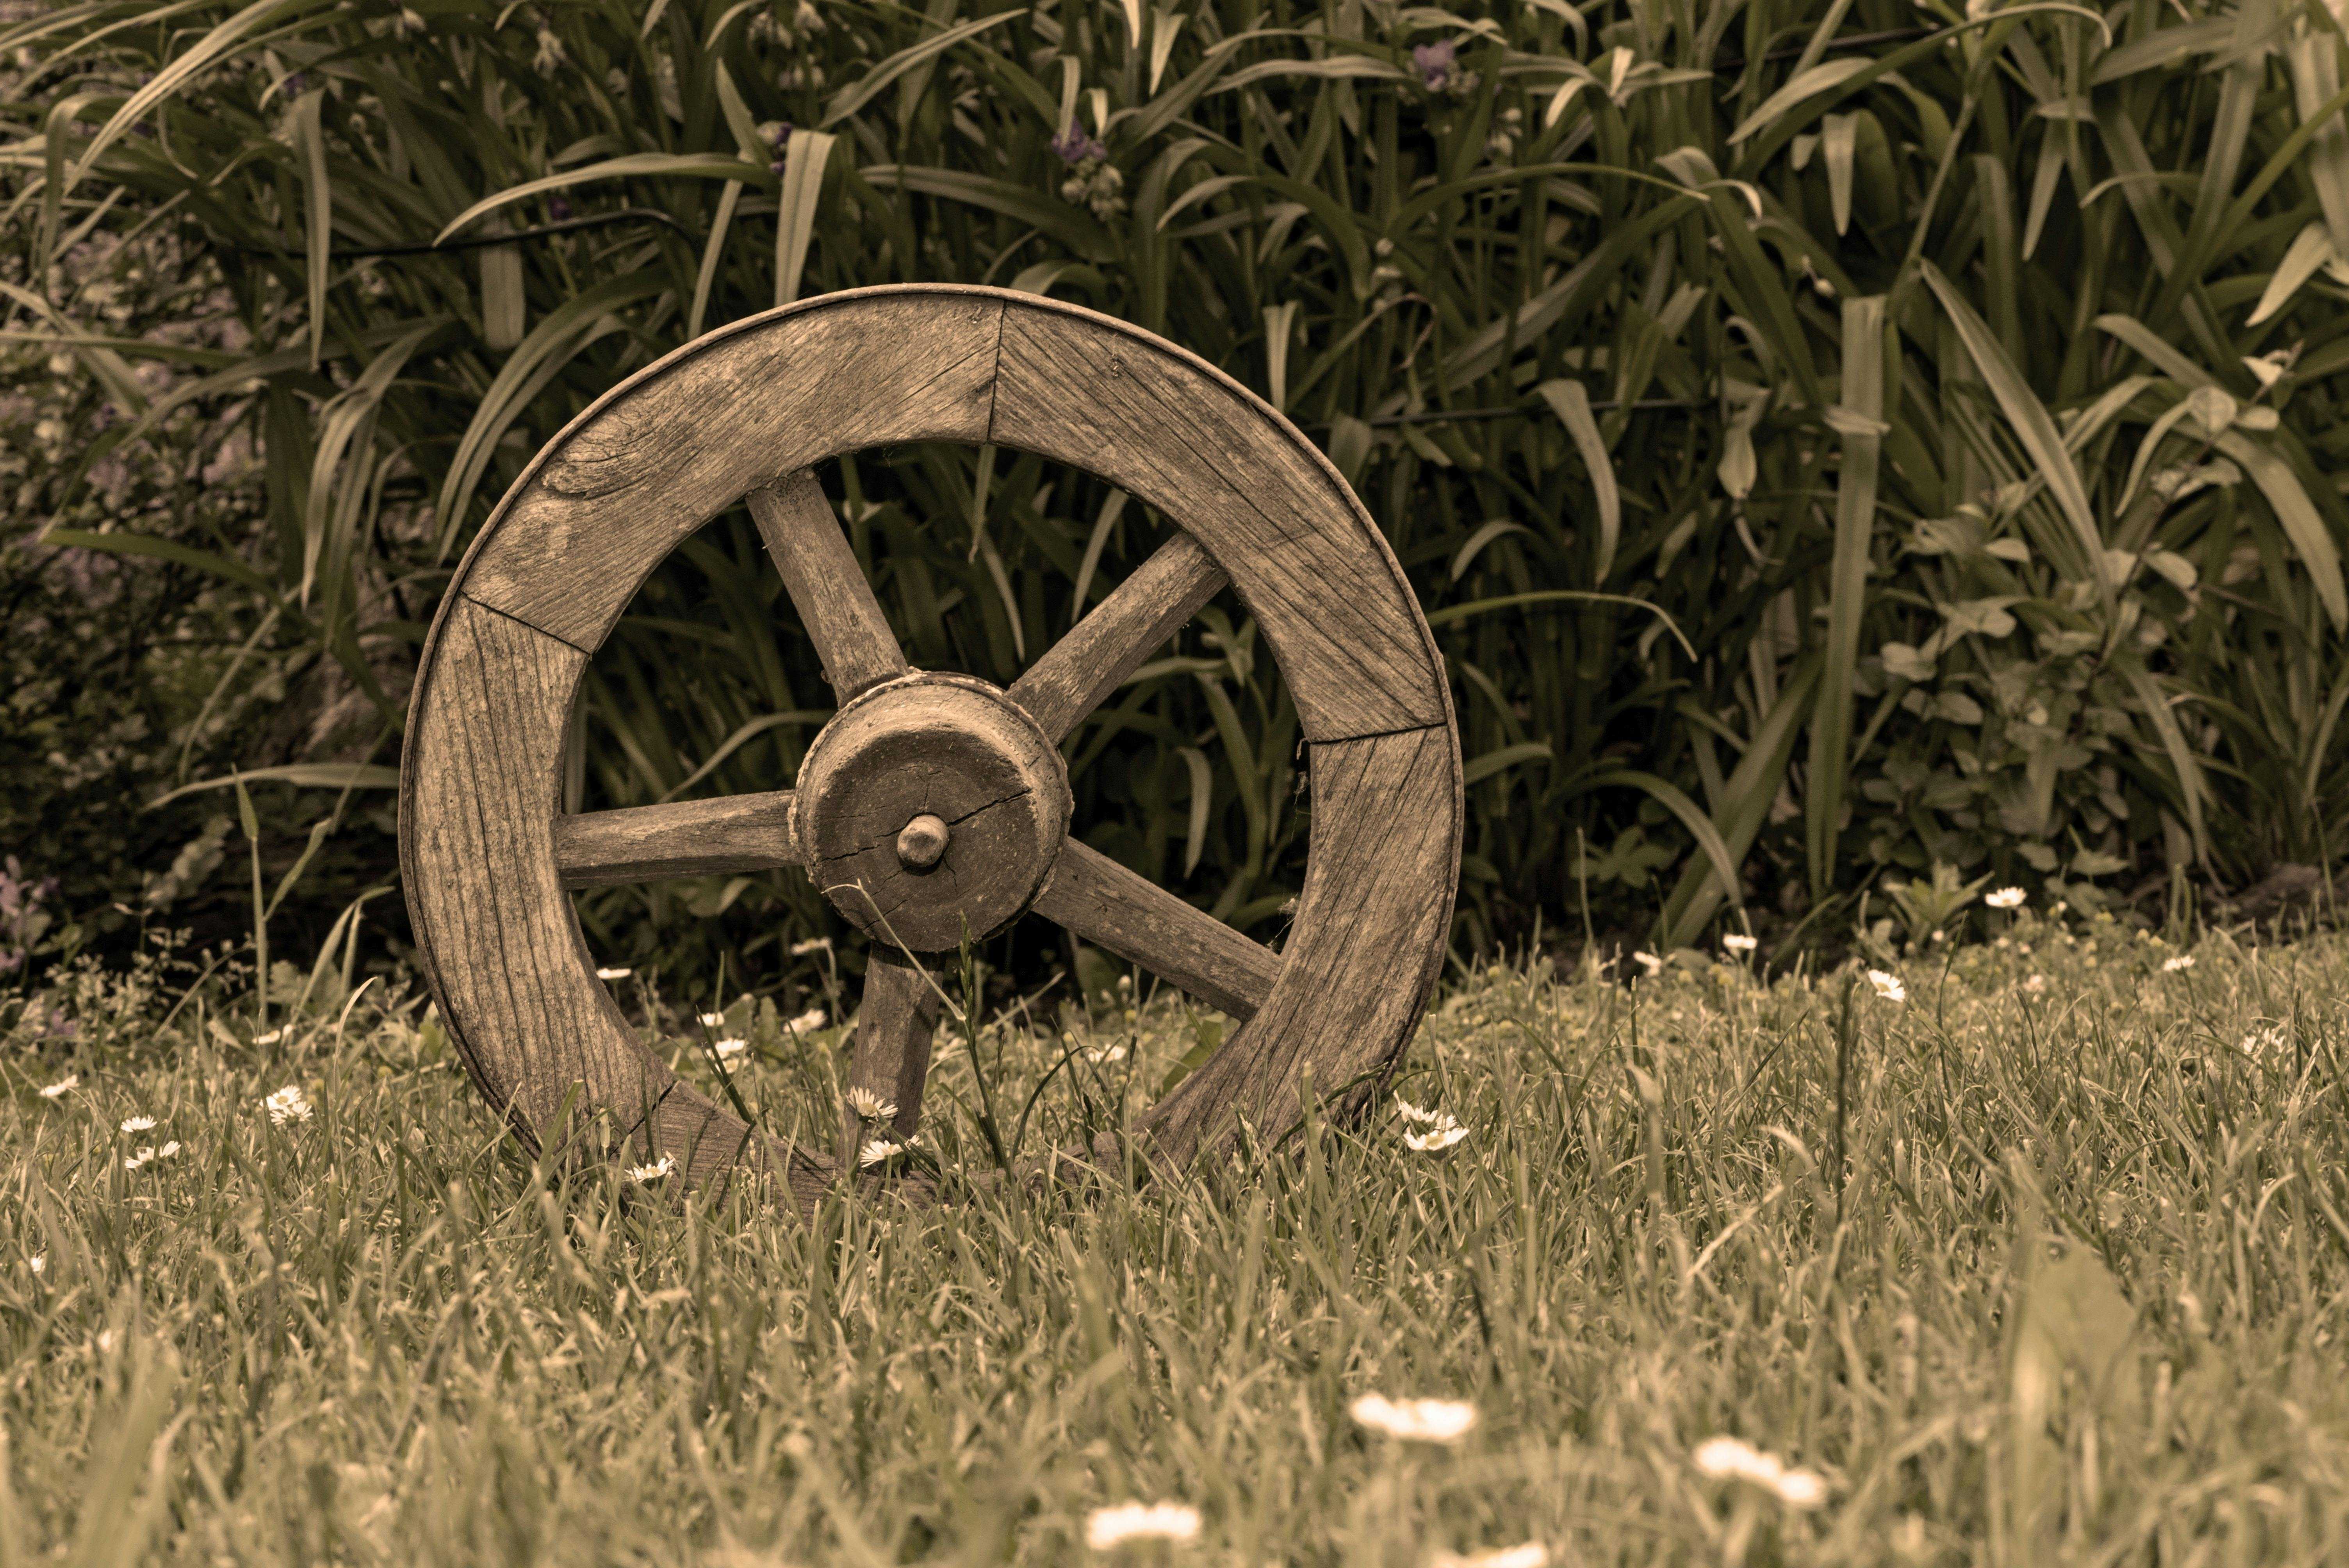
x=1124 y=912
x=895 y=1024
x=1365 y=949
x=679 y=839
x=682 y=440
x=506 y=963
x=1303 y=553
x=1111 y=642
x=827 y=586
x=931 y=745
x=487 y=857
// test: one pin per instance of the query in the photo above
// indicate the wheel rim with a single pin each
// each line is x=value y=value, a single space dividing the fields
x=488 y=857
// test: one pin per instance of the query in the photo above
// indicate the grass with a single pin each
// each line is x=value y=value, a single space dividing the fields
x=379 y=1336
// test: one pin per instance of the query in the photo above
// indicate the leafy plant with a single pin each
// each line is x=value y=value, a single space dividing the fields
x=1830 y=441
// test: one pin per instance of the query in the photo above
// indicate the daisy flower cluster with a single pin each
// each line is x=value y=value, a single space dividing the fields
x=1435 y=1130
x=1415 y=1420
x=1106 y=1528
x=1729 y=1458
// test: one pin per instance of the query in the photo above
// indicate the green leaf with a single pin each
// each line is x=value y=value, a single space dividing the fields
x=308 y=775
x=859 y=93
x=1334 y=67
x=803 y=162
x=1073 y=227
x=2309 y=250
x=318 y=209
x=1570 y=401
x=1818 y=79
x=1709 y=840
x=1202 y=796
x=1494 y=528
x=1453 y=614
x=2297 y=513
x=1506 y=757
x=646 y=165
x=203 y=53
x=1746 y=805
x=221 y=566
x=2026 y=416
x=2188 y=771
x=553 y=343
x=1865 y=327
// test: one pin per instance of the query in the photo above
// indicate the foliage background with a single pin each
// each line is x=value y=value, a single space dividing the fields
x=1943 y=404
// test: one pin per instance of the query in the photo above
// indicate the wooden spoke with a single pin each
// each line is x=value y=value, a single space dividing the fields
x=1142 y=922
x=891 y=1058
x=681 y=839
x=1109 y=643
x=826 y=584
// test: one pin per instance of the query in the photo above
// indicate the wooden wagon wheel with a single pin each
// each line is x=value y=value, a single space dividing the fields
x=928 y=801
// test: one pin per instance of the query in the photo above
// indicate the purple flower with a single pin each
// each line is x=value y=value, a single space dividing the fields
x=17 y=896
x=10 y=959
x=558 y=208
x=292 y=83
x=1075 y=146
x=778 y=167
x=1436 y=63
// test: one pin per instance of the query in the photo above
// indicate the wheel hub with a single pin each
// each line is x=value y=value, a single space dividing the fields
x=929 y=807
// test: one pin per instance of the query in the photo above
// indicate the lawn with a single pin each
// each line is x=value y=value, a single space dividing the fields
x=2044 y=1262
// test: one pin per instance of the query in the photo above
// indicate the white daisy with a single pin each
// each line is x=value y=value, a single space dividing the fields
x=1103 y=1056
x=38 y=1263
x=1421 y=1420
x=1530 y=1554
x=138 y=1123
x=133 y=1161
x=273 y=1036
x=168 y=1150
x=288 y=1104
x=728 y=1049
x=1436 y=1139
x=876 y=1151
x=1728 y=1457
x=1411 y=1112
x=64 y=1086
x=871 y=1107
x=2006 y=898
x=654 y=1172
x=1109 y=1528
x=614 y=973
x=1649 y=962
x=1887 y=987
x=2173 y=966
x=813 y=944
x=713 y=1020
x=807 y=1022
x=1736 y=942
x=2035 y=983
